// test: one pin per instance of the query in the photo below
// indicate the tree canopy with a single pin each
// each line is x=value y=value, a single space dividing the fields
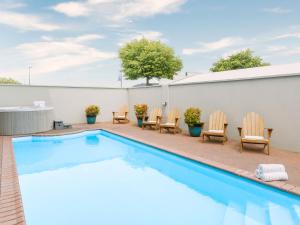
x=148 y=59
x=4 y=80
x=241 y=60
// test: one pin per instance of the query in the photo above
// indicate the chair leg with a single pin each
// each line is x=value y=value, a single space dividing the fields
x=113 y=120
x=203 y=137
x=268 y=148
x=241 y=147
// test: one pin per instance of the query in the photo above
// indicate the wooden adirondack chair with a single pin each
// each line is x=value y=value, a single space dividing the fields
x=253 y=131
x=217 y=126
x=172 y=122
x=153 y=120
x=122 y=115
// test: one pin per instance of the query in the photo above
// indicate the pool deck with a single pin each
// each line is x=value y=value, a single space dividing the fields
x=226 y=157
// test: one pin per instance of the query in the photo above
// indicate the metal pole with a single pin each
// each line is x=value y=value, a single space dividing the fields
x=29 y=68
x=121 y=80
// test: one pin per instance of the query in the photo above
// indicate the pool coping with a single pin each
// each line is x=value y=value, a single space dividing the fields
x=11 y=206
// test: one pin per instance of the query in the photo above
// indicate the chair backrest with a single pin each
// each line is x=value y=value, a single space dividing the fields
x=154 y=114
x=123 y=110
x=173 y=114
x=253 y=125
x=217 y=120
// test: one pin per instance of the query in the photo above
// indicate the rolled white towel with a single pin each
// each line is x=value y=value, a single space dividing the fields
x=258 y=174
x=266 y=168
x=272 y=176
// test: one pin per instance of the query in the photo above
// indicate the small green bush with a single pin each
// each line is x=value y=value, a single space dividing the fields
x=92 y=110
x=140 y=110
x=192 y=116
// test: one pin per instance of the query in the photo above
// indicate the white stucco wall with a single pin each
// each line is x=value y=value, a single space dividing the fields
x=69 y=102
x=277 y=99
x=152 y=96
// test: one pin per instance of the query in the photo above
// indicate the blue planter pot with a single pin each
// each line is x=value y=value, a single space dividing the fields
x=140 y=122
x=91 y=119
x=195 y=131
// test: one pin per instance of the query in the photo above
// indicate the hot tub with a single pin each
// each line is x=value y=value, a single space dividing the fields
x=20 y=120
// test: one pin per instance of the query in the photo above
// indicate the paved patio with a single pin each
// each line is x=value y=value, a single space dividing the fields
x=226 y=157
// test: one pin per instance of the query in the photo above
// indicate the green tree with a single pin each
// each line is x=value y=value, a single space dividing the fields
x=4 y=80
x=241 y=60
x=148 y=59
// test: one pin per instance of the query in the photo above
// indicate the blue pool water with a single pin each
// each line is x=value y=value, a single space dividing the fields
x=103 y=179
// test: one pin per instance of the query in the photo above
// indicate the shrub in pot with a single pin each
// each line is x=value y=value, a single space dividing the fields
x=91 y=113
x=140 y=112
x=192 y=119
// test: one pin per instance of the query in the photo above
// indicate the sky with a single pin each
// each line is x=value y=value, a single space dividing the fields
x=76 y=43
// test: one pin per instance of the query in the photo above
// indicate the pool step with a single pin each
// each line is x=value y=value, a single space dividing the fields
x=233 y=215
x=297 y=213
x=255 y=214
x=279 y=215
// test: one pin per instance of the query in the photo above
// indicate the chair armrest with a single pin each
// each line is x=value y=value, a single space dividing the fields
x=126 y=113
x=225 y=127
x=270 y=130
x=201 y=125
x=240 y=130
x=176 y=120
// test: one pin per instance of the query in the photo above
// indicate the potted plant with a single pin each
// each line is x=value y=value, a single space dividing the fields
x=192 y=119
x=91 y=113
x=140 y=112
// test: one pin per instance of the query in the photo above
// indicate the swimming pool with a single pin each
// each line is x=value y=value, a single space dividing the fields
x=100 y=178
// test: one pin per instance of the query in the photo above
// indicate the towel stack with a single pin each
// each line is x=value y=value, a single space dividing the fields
x=271 y=172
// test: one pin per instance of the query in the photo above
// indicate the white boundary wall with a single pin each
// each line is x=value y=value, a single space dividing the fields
x=277 y=99
x=69 y=102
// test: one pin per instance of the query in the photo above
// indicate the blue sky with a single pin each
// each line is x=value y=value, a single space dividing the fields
x=77 y=42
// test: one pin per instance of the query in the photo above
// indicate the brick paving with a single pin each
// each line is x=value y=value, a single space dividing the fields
x=11 y=208
x=226 y=157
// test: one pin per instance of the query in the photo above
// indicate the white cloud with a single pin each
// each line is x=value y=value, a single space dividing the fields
x=11 y=4
x=150 y=34
x=86 y=38
x=72 y=9
x=25 y=21
x=277 y=10
x=55 y=55
x=213 y=46
x=276 y=48
x=119 y=10
x=288 y=35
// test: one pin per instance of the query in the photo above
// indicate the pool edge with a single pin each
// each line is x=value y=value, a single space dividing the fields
x=281 y=185
x=11 y=206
